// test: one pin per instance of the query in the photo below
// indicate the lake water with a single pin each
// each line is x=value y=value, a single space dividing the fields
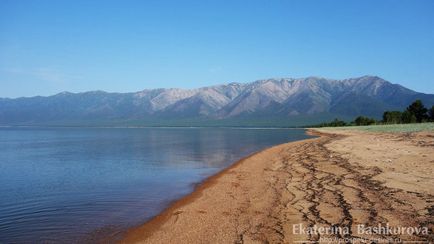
x=62 y=185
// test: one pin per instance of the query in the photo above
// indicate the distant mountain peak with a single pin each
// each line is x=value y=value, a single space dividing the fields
x=284 y=98
x=64 y=93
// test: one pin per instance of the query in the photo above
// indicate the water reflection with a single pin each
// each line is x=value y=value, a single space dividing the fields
x=58 y=184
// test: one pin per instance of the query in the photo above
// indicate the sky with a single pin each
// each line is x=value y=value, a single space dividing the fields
x=47 y=47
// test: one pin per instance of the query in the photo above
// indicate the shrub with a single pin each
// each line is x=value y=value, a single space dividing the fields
x=408 y=117
x=361 y=120
x=338 y=122
x=392 y=117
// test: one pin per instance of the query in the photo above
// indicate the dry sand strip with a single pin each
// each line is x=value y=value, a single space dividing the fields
x=341 y=180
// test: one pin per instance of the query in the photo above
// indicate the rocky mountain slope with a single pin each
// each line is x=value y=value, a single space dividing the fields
x=272 y=98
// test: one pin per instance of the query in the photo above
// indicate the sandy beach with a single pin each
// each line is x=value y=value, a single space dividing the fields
x=343 y=181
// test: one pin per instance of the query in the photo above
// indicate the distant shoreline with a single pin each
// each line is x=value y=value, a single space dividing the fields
x=156 y=127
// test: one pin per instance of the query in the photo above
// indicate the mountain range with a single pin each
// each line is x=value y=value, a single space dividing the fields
x=285 y=101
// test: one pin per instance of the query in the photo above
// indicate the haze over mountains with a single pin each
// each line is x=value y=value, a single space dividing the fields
x=271 y=101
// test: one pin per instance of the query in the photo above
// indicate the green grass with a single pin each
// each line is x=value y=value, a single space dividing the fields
x=390 y=128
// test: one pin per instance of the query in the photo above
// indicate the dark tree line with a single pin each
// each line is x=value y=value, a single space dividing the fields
x=415 y=113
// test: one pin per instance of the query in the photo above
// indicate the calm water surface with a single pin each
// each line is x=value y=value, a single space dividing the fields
x=59 y=185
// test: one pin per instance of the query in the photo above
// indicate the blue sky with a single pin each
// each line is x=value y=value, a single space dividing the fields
x=51 y=46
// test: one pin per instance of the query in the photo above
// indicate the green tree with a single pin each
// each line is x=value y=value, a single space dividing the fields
x=431 y=113
x=361 y=120
x=418 y=110
x=336 y=122
x=392 y=117
x=407 y=117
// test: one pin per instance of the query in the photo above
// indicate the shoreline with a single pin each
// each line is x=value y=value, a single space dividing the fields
x=137 y=233
x=231 y=209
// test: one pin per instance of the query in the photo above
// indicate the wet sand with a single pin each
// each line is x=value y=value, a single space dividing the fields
x=343 y=179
